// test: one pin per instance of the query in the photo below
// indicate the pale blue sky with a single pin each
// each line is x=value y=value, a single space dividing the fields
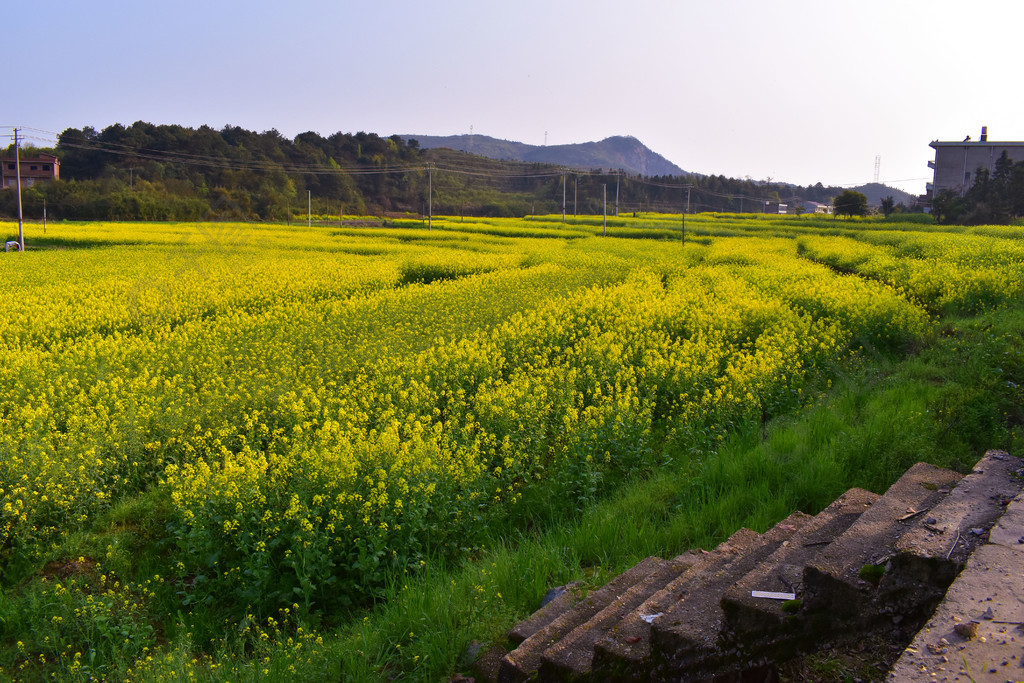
x=797 y=90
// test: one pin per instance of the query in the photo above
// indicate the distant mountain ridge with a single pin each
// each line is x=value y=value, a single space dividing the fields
x=614 y=153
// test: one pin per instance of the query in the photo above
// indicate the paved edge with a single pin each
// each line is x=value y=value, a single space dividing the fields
x=975 y=634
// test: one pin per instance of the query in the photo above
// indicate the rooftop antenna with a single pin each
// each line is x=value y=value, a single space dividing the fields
x=878 y=165
x=545 y=138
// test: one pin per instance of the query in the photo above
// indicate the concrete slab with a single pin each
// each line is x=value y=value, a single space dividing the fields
x=523 y=662
x=685 y=640
x=930 y=554
x=758 y=625
x=1009 y=530
x=950 y=531
x=573 y=655
x=627 y=646
x=571 y=594
x=975 y=634
x=833 y=583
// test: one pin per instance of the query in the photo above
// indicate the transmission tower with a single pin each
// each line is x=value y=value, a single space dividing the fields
x=878 y=165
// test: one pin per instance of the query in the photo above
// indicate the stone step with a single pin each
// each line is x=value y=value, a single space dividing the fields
x=686 y=639
x=930 y=554
x=572 y=656
x=840 y=584
x=976 y=633
x=625 y=651
x=523 y=662
x=866 y=566
x=626 y=648
x=567 y=596
x=762 y=627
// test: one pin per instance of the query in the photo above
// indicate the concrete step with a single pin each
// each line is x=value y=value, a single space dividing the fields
x=930 y=554
x=523 y=662
x=841 y=583
x=625 y=652
x=976 y=633
x=572 y=656
x=566 y=598
x=764 y=627
x=686 y=640
x=866 y=566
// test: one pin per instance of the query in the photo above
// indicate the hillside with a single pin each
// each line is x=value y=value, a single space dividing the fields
x=149 y=172
x=876 y=192
x=620 y=152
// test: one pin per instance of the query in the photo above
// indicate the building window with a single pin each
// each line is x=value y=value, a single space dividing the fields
x=10 y=167
x=46 y=167
x=33 y=167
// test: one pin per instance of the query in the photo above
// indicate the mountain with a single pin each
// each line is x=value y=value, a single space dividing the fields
x=876 y=192
x=618 y=152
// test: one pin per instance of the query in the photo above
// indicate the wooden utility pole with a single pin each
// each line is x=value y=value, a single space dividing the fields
x=684 y=214
x=575 y=193
x=604 y=203
x=17 y=172
x=430 y=197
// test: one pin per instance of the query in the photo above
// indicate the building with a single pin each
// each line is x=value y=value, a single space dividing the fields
x=816 y=207
x=956 y=164
x=33 y=170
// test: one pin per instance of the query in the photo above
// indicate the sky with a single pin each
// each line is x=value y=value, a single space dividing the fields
x=793 y=90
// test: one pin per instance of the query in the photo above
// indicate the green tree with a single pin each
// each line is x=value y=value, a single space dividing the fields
x=887 y=205
x=1016 y=190
x=850 y=203
x=947 y=207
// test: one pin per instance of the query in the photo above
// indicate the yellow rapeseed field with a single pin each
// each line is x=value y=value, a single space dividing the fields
x=318 y=408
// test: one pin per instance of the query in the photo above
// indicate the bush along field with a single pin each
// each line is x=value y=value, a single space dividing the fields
x=242 y=451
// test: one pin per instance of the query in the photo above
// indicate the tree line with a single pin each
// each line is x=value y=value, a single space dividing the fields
x=171 y=172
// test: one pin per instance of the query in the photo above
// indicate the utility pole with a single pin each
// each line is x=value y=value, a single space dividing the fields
x=604 y=194
x=575 y=193
x=684 y=214
x=309 y=208
x=616 y=194
x=44 y=215
x=563 y=196
x=17 y=172
x=430 y=197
